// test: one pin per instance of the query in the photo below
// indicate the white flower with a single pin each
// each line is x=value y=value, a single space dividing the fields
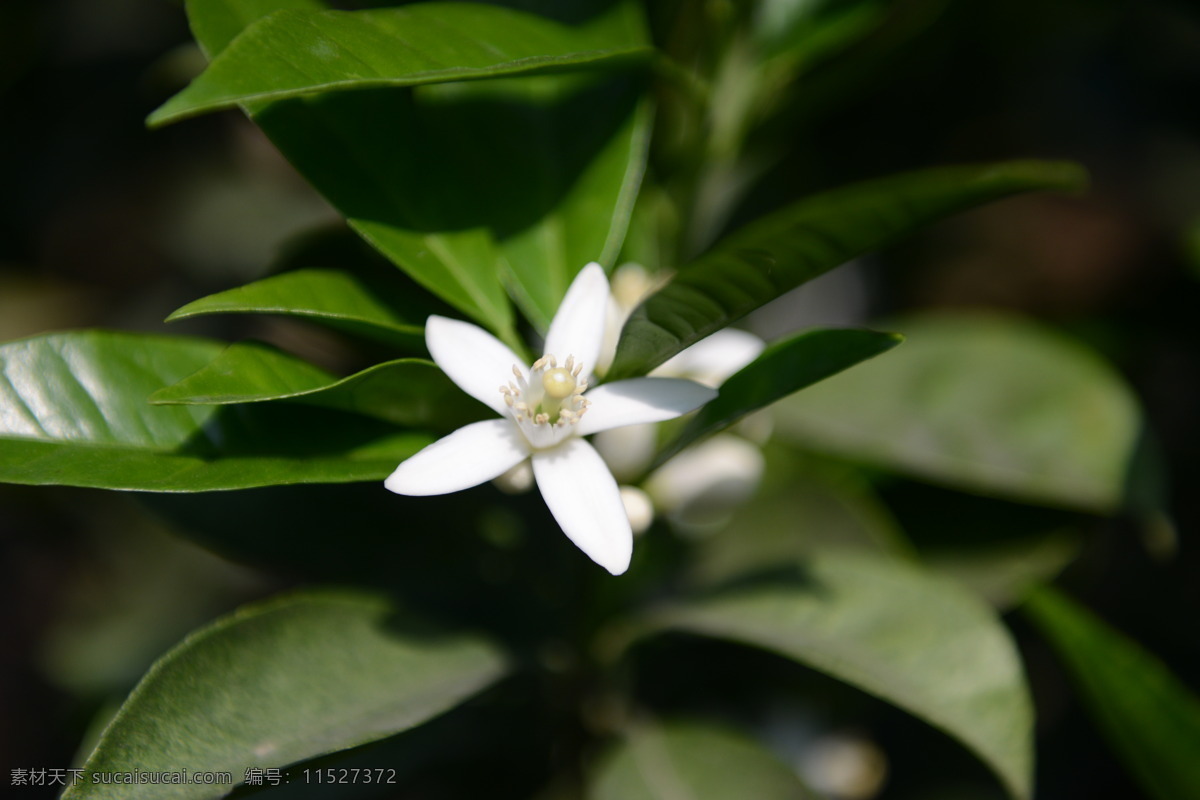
x=545 y=411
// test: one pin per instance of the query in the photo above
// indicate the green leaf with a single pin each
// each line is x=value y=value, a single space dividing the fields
x=338 y=298
x=73 y=411
x=784 y=367
x=993 y=405
x=564 y=172
x=547 y=190
x=798 y=512
x=913 y=639
x=1004 y=572
x=283 y=681
x=796 y=244
x=295 y=52
x=692 y=760
x=216 y=23
x=809 y=32
x=1149 y=717
x=407 y=391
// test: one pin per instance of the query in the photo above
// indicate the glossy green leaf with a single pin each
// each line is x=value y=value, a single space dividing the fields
x=907 y=636
x=74 y=411
x=1150 y=718
x=547 y=190
x=216 y=23
x=784 y=367
x=692 y=761
x=283 y=681
x=775 y=254
x=246 y=372
x=291 y=53
x=335 y=297
x=407 y=391
x=989 y=404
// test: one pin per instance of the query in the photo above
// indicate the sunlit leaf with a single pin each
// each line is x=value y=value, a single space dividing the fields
x=406 y=391
x=1149 y=717
x=74 y=411
x=292 y=52
x=989 y=404
x=692 y=760
x=549 y=189
x=334 y=297
x=216 y=23
x=779 y=252
x=784 y=367
x=913 y=639
x=280 y=682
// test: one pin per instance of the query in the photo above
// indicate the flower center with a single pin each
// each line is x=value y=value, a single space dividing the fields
x=558 y=383
x=552 y=395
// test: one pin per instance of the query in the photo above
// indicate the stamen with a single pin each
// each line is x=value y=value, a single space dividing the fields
x=547 y=398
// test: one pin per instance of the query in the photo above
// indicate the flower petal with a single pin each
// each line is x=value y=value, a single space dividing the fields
x=584 y=499
x=474 y=359
x=471 y=455
x=578 y=325
x=640 y=400
x=714 y=358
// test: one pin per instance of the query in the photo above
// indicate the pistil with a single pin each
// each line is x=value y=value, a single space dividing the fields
x=552 y=395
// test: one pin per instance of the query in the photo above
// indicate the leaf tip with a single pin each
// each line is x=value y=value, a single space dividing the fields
x=160 y=117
